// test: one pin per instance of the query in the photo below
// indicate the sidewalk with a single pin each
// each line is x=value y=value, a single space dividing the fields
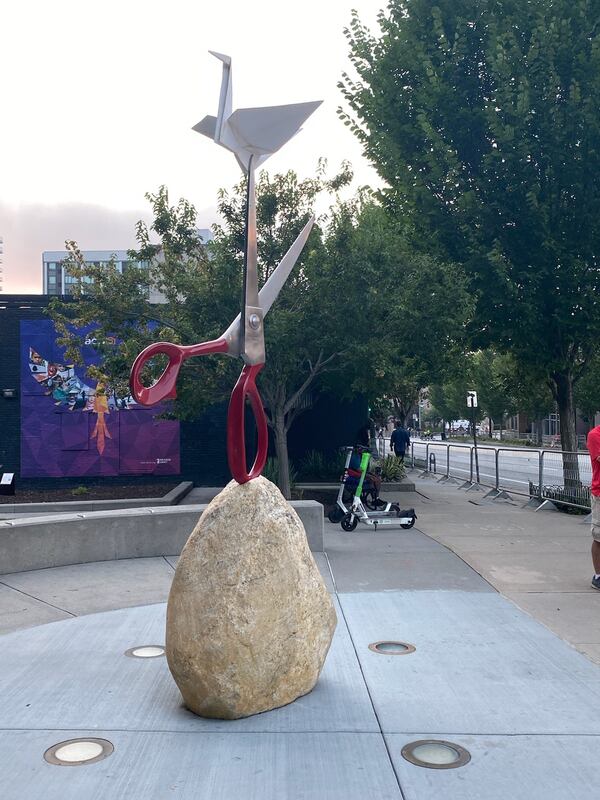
x=484 y=674
x=539 y=560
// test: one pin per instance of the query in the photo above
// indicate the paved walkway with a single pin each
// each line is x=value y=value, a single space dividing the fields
x=484 y=674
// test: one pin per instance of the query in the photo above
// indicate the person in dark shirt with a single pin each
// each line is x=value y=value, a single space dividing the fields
x=399 y=441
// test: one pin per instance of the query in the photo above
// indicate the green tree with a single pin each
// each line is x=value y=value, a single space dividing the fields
x=587 y=392
x=406 y=312
x=450 y=397
x=304 y=330
x=493 y=375
x=202 y=286
x=483 y=118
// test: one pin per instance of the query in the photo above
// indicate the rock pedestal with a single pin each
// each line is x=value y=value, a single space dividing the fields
x=249 y=620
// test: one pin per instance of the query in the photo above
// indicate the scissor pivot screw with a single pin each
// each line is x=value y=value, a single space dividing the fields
x=254 y=321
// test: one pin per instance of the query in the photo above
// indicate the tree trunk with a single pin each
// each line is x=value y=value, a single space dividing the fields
x=501 y=425
x=400 y=415
x=443 y=430
x=563 y=382
x=281 y=451
x=491 y=426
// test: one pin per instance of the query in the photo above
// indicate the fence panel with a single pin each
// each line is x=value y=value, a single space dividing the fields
x=419 y=454
x=549 y=474
x=460 y=462
x=566 y=477
x=487 y=465
x=517 y=469
x=439 y=450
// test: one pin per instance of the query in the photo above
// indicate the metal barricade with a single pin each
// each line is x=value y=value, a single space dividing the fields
x=459 y=462
x=438 y=451
x=566 y=478
x=419 y=454
x=517 y=469
x=487 y=466
x=546 y=474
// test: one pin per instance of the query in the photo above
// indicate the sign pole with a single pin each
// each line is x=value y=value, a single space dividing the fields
x=472 y=403
x=475 y=442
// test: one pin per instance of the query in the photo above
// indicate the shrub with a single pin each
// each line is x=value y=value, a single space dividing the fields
x=318 y=466
x=392 y=469
x=271 y=472
x=80 y=490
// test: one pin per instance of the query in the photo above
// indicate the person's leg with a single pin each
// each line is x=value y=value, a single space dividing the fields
x=401 y=456
x=596 y=556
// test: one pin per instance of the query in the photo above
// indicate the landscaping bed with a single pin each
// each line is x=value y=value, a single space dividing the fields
x=73 y=493
x=327 y=497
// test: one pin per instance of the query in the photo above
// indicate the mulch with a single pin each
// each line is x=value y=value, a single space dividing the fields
x=327 y=497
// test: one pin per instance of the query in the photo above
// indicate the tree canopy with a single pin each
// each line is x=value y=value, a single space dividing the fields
x=201 y=288
x=483 y=118
x=407 y=311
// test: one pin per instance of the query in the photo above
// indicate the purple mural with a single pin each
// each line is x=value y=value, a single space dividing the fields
x=71 y=427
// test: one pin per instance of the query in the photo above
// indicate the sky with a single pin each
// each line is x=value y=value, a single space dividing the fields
x=97 y=102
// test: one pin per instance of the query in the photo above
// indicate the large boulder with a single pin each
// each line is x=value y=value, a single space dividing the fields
x=249 y=620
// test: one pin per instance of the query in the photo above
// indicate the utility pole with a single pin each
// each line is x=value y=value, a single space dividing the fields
x=472 y=404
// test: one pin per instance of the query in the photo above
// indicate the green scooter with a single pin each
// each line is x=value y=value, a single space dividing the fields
x=389 y=514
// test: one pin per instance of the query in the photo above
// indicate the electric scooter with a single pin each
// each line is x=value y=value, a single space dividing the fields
x=349 y=481
x=386 y=514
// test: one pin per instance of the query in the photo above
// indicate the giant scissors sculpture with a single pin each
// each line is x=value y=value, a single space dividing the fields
x=252 y=134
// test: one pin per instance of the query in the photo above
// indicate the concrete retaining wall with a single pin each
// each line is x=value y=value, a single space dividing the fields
x=71 y=506
x=61 y=539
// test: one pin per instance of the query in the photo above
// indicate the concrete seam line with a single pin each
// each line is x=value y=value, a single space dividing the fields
x=39 y=599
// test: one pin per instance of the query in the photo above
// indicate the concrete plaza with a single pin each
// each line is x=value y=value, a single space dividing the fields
x=495 y=599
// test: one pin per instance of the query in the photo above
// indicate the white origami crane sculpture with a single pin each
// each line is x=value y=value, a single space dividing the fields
x=252 y=132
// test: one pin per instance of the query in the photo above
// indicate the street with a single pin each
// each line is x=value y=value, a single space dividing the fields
x=517 y=466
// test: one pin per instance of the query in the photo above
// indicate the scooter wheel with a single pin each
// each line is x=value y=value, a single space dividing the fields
x=408 y=525
x=335 y=515
x=349 y=522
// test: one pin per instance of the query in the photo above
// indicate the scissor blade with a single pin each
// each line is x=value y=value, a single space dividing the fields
x=269 y=292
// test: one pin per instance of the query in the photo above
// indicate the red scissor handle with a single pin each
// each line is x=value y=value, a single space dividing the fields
x=164 y=388
x=236 y=442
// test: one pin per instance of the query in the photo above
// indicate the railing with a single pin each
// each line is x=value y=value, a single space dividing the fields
x=557 y=475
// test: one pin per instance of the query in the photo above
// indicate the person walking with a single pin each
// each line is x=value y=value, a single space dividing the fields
x=593 y=446
x=399 y=441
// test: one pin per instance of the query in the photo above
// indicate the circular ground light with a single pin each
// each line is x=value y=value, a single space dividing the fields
x=75 y=752
x=387 y=648
x=436 y=754
x=146 y=651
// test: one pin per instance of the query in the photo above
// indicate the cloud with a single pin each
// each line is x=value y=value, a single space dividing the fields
x=30 y=229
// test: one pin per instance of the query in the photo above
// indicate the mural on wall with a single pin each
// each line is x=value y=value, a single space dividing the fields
x=72 y=428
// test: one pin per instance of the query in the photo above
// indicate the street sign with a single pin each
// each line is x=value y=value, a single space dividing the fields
x=471 y=399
